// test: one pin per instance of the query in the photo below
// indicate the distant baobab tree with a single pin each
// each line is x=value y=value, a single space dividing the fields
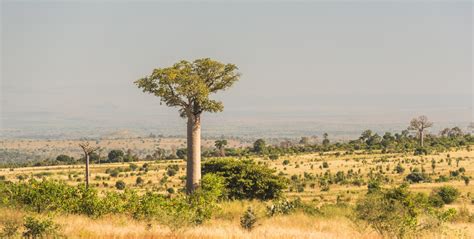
x=220 y=145
x=188 y=86
x=420 y=124
x=88 y=150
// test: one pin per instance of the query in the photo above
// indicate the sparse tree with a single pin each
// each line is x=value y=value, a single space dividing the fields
x=444 y=132
x=88 y=150
x=420 y=124
x=220 y=145
x=188 y=86
x=304 y=140
x=326 y=139
x=259 y=146
x=455 y=132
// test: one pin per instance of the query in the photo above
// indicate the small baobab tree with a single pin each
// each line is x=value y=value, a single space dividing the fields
x=88 y=150
x=188 y=86
x=420 y=124
x=220 y=145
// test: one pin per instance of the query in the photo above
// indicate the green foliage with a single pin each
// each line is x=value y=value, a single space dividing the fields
x=398 y=213
x=65 y=159
x=188 y=85
x=417 y=177
x=259 y=146
x=179 y=211
x=39 y=228
x=120 y=185
x=139 y=181
x=171 y=172
x=273 y=157
x=248 y=220
x=399 y=169
x=447 y=193
x=284 y=206
x=246 y=180
x=373 y=186
x=115 y=155
x=421 y=151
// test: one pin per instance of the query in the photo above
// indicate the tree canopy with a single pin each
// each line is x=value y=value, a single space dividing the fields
x=188 y=85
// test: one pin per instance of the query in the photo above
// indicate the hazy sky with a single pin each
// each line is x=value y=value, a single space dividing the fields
x=69 y=62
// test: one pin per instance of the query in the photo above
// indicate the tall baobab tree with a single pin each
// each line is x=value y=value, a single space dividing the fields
x=420 y=124
x=188 y=86
x=88 y=150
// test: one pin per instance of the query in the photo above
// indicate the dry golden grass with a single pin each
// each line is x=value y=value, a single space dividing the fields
x=295 y=226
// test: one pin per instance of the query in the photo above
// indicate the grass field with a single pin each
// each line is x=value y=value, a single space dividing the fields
x=335 y=223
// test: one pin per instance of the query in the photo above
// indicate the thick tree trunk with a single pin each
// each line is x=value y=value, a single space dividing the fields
x=87 y=170
x=193 y=173
x=421 y=138
x=222 y=152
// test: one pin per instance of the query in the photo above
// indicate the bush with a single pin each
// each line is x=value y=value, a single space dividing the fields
x=248 y=220
x=171 y=172
x=283 y=207
x=273 y=157
x=399 y=169
x=39 y=228
x=115 y=155
x=396 y=213
x=65 y=158
x=175 y=212
x=247 y=180
x=417 y=177
x=421 y=151
x=139 y=181
x=447 y=193
x=120 y=185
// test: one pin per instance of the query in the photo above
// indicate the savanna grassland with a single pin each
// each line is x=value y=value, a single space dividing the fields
x=328 y=184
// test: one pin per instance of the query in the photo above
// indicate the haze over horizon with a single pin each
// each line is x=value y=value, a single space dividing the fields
x=67 y=65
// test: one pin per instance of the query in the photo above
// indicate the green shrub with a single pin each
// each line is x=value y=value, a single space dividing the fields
x=417 y=177
x=120 y=185
x=421 y=151
x=39 y=228
x=399 y=169
x=248 y=220
x=283 y=207
x=139 y=181
x=273 y=157
x=447 y=193
x=171 y=172
x=246 y=180
x=397 y=213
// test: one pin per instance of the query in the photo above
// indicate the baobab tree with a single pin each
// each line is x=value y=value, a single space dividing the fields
x=188 y=86
x=88 y=150
x=220 y=145
x=420 y=124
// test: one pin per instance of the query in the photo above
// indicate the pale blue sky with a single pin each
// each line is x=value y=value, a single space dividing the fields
x=65 y=63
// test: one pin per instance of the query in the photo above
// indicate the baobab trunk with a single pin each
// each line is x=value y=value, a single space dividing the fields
x=193 y=167
x=87 y=170
x=421 y=138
